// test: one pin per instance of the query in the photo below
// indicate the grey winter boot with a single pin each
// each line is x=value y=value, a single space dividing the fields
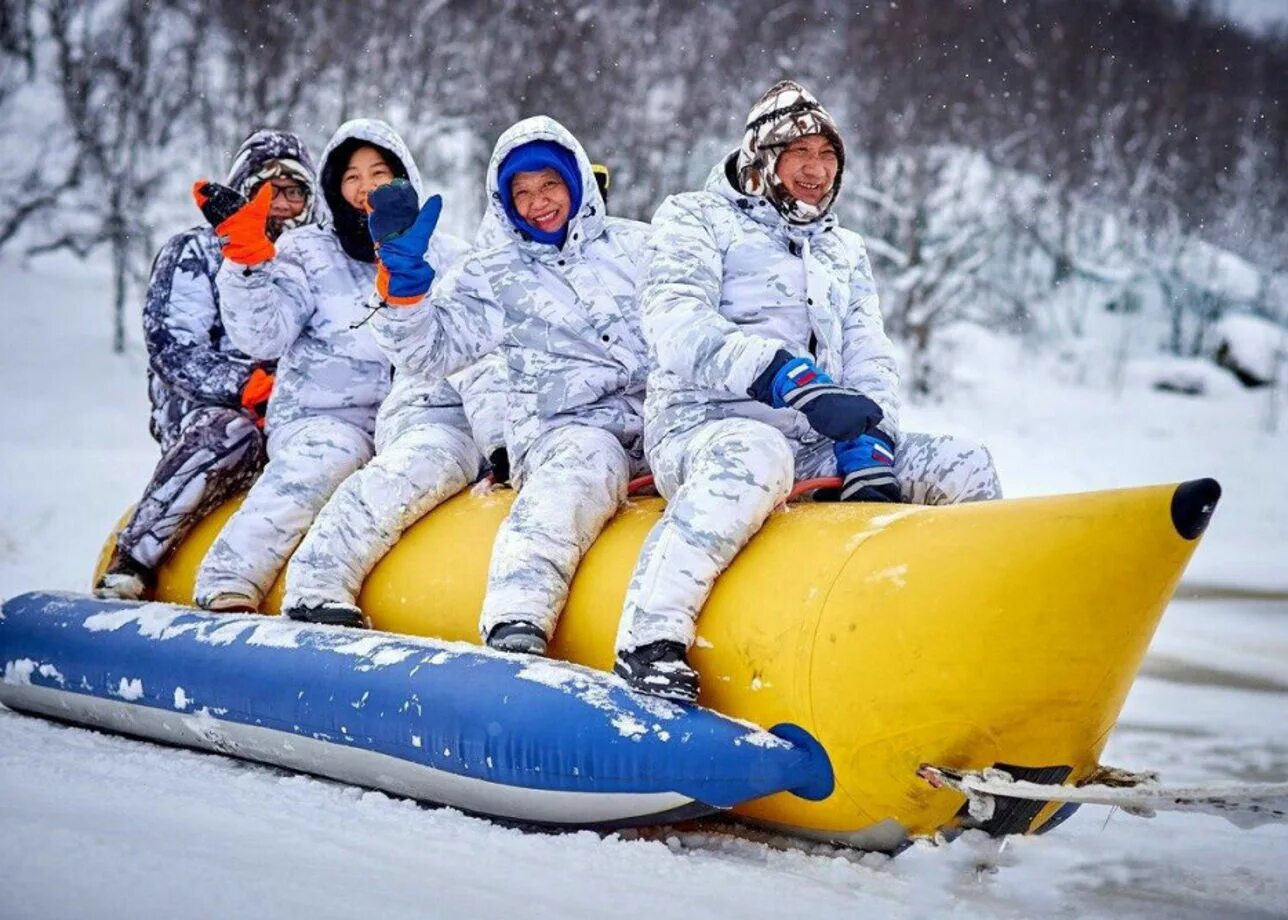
x=517 y=636
x=228 y=602
x=330 y=613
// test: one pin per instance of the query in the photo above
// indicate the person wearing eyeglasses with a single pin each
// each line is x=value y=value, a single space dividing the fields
x=208 y=396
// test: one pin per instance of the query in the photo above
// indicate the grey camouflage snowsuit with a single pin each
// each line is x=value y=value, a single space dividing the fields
x=211 y=448
x=429 y=446
x=726 y=283
x=567 y=324
x=304 y=307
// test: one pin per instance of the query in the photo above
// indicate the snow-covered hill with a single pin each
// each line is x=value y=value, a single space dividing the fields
x=98 y=826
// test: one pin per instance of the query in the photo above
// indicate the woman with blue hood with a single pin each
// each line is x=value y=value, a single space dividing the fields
x=302 y=302
x=208 y=396
x=557 y=295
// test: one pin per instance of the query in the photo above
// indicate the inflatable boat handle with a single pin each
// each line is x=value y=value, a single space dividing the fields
x=643 y=483
x=813 y=485
x=640 y=484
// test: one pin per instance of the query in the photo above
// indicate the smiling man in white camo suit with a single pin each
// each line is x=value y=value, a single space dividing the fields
x=769 y=364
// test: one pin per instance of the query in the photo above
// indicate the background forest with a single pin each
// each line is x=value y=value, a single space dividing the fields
x=1035 y=166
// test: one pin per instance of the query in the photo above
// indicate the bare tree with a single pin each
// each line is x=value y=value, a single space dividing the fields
x=126 y=75
x=1114 y=126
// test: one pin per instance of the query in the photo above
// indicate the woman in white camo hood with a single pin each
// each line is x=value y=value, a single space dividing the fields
x=301 y=300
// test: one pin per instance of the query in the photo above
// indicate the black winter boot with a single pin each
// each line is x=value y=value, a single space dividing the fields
x=330 y=613
x=659 y=669
x=517 y=636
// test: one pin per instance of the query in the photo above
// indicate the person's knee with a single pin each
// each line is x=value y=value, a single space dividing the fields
x=747 y=452
x=317 y=457
x=983 y=481
x=437 y=451
x=957 y=469
x=579 y=454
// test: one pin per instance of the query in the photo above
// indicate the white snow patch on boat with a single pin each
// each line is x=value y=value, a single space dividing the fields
x=895 y=574
x=275 y=635
x=548 y=674
x=762 y=739
x=629 y=727
x=224 y=633
x=19 y=672
x=153 y=619
x=48 y=670
x=129 y=688
x=181 y=700
x=378 y=650
x=876 y=525
x=595 y=690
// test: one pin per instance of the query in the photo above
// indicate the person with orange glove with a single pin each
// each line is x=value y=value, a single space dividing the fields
x=301 y=299
x=209 y=398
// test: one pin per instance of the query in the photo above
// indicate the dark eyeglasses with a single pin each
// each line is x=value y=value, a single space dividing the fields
x=292 y=193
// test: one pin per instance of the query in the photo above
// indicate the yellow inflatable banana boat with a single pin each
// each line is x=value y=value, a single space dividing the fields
x=967 y=636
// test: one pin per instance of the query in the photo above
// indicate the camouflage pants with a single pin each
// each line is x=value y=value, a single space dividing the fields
x=575 y=480
x=419 y=468
x=216 y=453
x=307 y=461
x=723 y=480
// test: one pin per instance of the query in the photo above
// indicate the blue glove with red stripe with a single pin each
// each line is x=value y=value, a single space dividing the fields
x=866 y=465
x=836 y=412
x=401 y=229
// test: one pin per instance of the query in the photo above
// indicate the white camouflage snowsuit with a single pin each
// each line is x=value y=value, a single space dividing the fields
x=726 y=283
x=306 y=307
x=428 y=447
x=211 y=448
x=568 y=326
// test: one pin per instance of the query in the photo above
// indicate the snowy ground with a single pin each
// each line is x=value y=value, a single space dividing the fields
x=92 y=825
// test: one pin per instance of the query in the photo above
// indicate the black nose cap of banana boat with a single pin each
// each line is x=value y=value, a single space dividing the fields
x=1192 y=505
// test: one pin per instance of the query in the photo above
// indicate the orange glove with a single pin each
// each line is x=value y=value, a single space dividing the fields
x=255 y=393
x=242 y=231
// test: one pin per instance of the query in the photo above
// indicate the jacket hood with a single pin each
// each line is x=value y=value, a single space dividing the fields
x=722 y=181
x=266 y=145
x=372 y=131
x=587 y=224
x=333 y=212
x=289 y=153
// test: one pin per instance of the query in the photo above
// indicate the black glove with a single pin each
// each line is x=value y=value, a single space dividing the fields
x=499 y=461
x=835 y=412
x=217 y=202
